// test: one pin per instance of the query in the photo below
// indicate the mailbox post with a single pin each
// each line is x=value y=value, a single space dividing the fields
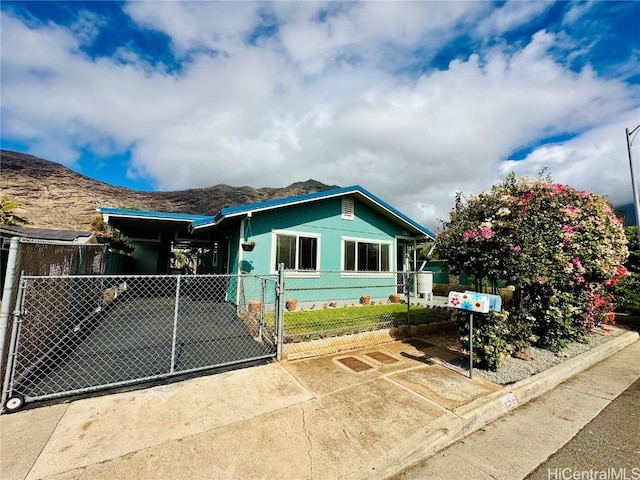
x=474 y=302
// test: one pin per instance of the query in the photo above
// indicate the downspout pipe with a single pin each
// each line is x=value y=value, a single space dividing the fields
x=9 y=279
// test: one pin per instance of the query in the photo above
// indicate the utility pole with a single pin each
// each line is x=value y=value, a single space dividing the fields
x=634 y=185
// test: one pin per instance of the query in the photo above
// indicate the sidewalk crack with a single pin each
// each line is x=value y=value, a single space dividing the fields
x=84 y=471
x=200 y=410
x=304 y=427
x=591 y=394
x=346 y=435
x=53 y=430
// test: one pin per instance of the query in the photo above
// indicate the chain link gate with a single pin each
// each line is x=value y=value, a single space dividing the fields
x=76 y=334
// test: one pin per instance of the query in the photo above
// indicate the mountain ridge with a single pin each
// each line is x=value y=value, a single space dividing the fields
x=50 y=195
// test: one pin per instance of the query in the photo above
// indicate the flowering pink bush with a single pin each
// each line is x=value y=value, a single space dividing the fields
x=559 y=247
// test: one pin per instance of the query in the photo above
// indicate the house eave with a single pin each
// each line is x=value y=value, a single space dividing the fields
x=109 y=212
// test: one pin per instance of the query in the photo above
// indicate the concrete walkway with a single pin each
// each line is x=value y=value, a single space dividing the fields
x=363 y=414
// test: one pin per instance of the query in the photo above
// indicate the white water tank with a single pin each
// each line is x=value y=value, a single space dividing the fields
x=425 y=283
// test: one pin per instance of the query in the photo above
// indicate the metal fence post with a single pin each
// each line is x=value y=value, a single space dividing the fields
x=79 y=261
x=408 y=294
x=6 y=386
x=471 y=346
x=280 y=288
x=262 y=306
x=175 y=325
x=6 y=294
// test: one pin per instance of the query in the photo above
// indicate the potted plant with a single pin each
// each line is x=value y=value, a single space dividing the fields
x=291 y=304
x=248 y=246
x=255 y=306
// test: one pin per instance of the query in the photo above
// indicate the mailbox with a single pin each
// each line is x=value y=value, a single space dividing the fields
x=495 y=301
x=475 y=302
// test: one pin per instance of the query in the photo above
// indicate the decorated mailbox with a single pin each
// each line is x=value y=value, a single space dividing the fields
x=475 y=302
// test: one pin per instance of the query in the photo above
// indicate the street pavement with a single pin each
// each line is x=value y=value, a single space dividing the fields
x=363 y=414
x=609 y=443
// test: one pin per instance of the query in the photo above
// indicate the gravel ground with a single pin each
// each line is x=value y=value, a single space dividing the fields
x=515 y=369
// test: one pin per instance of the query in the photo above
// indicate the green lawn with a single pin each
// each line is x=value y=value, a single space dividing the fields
x=340 y=320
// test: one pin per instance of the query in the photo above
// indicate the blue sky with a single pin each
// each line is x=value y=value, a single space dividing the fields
x=412 y=100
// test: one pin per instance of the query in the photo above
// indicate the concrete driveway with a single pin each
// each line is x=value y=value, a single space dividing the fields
x=133 y=340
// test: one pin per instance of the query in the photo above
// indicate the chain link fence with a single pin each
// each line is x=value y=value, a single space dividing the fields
x=79 y=333
x=330 y=311
x=73 y=334
x=36 y=257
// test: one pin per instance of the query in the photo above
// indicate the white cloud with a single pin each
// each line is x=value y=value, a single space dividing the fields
x=596 y=161
x=288 y=108
x=193 y=25
x=312 y=34
x=41 y=46
x=363 y=27
x=511 y=15
x=577 y=11
x=87 y=27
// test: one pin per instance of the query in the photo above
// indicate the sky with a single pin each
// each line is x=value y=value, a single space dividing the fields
x=413 y=101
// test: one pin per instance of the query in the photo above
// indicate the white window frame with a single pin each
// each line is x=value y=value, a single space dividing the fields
x=296 y=233
x=355 y=273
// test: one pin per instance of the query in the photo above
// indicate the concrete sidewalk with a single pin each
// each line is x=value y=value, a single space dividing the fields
x=361 y=414
x=538 y=430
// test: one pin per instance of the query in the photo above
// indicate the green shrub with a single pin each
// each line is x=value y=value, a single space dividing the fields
x=560 y=323
x=627 y=294
x=627 y=291
x=562 y=249
x=490 y=347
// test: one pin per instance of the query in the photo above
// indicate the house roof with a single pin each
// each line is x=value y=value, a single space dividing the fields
x=355 y=190
x=198 y=222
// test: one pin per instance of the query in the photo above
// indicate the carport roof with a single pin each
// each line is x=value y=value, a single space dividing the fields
x=150 y=215
x=44 y=233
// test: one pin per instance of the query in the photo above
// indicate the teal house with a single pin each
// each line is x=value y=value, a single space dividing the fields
x=346 y=239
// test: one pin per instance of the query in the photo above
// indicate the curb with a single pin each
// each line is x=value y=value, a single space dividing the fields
x=484 y=410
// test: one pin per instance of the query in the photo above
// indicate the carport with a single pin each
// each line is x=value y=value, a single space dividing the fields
x=153 y=236
x=144 y=328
